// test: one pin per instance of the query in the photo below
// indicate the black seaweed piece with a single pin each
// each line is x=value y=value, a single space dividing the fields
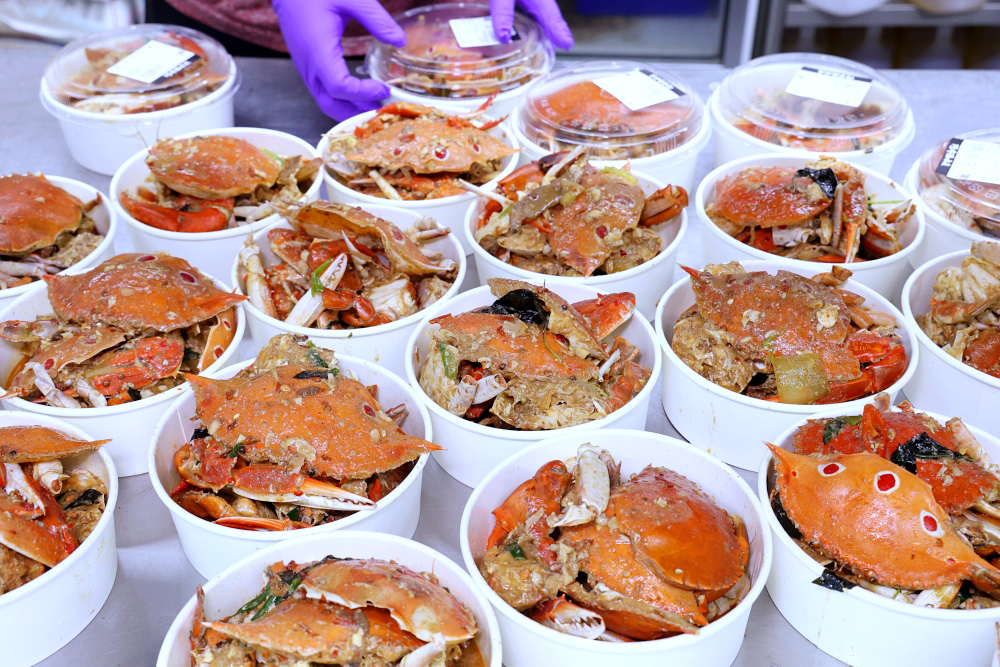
x=133 y=393
x=786 y=523
x=824 y=178
x=522 y=303
x=920 y=446
x=830 y=580
x=88 y=497
x=200 y=433
x=313 y=375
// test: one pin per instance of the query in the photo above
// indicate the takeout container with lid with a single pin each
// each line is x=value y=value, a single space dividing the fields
x=381 y=344
x=434 y=66
x=105 y=117
x=211 y=252
x=732 y=426
x=949 y=204
x=647 y=281
x=228 y=590
x=857 y=626
x=715 y=645
x=568 y=108
x=471 y=449
x=447 y=211
x=104 y=220
x=868 y=123
x=885 y=275
x=129 y=425
x=941 y=380
x=42 y=616
x=212 y=548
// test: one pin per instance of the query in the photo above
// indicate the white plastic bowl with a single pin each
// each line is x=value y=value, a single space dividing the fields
x=732 y=144
x=212 y=548
x=381 y=343
x=128 y=425
x=502 y=105
x=103 y=142
x=862 y=628
x=448 y=211
x=715 y=645
x=941 y=380
x=943 y=236
x=673 y=167
x=885 y=276
x=472 y=450
x=104 y=221
x=207 y=251
x=730 y=425
x=45 y=614
x=230 y=589
x=648 y=281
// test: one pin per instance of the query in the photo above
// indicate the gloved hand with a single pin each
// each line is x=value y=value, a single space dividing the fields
x=312 y=31
x=546 y=12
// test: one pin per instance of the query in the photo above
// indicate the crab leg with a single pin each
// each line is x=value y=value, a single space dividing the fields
x=592 y=484
x=87 y=391
x=569 y=158
x=25 y=269
x=258 y=523
x=384 y=186
x=464 y=394
x=489 y=387
x=272 y=483
x=939 y=597
x=48 y=387
x=28 y=538
x=428 y=655
x=483 y=192
x=49 y=474
x=310 y=305
x=571 y=619
x=257 y=289
x=608 y=363
x=17 y=481
x=398 y=414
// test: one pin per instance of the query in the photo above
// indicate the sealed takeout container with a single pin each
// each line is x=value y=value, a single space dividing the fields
x=731 y=426
x=620 y=112
x=647 y=281
x=472 y=450
x=715 y=645
x=129 y=425
x=958 y=211
x=941 y=380
x=448 y=211
x=452 y=54
x=239 y=582
x=858 y=626
x=885 y=275
x=45 y=614
x=118 y=91
x=212 y=548
x=104 y=220
x=207 y=251
x=795 y=102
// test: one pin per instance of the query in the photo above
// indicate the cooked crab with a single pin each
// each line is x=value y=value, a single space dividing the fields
x=341 y=612
x=210 y=183
x=532 y=361
x=785 y=337
x=46 y=512
x=122 y=331
x=291 y=442
x=589 y=554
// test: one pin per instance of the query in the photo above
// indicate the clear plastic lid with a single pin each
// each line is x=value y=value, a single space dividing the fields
x=618 y=110
x=972 y=204
x=813 y=102
x=451 y=52
x=137 y=69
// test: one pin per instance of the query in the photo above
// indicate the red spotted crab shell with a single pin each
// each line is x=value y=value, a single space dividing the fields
x=212 y=167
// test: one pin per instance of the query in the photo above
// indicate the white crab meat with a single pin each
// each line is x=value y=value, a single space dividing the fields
x=592 y=489
x=394 y=299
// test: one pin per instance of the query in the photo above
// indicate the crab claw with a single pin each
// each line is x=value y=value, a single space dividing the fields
x=272 y=483
x=607 y=312
x=592 y=483
x=571 y=619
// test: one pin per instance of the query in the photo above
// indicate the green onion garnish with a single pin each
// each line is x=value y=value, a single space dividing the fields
x=317 y=286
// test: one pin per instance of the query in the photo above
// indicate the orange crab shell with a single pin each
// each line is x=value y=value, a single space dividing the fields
x=875 y=517
x=763 y=196
x=34 y=212
x=28 y=444
x=212 y=167
x=334 y=425
x=139 y=291
x=586 y=106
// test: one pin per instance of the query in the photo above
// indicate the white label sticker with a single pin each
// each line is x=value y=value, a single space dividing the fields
x=829 y=86
x=638 y=88
x=476 y=32
x=970 y=160
x=153 y=62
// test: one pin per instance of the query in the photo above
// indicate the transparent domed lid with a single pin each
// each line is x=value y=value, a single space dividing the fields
x=451 y=52
x=619 y=110
x=137 y=69
x=812 y=102
x=960 y=179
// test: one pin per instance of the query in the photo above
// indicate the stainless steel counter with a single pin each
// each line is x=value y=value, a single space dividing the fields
x=154 y=579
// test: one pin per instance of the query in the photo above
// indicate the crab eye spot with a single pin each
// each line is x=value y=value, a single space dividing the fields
x=146 y=258
x=187 y=276
x=397 y=151
x=396 y=234
x=930 y=524
x=476 y=148
x=440 y=152
x=886 y=482
x=602 y=231
x=830 y=469
x=226 y=324
x=369 y=410
x=49 y=363
x=218 y=351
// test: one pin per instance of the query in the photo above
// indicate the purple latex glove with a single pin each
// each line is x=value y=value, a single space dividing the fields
x=546 y=12
x=312 y=31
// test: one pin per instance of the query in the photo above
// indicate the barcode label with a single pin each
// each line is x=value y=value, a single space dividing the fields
x=638 y=88
x=476 y=32
x=153 y=62
x=829 y=86
x=970 y=160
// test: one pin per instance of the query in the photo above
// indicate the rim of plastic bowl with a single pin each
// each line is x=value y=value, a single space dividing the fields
x=932 y=216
